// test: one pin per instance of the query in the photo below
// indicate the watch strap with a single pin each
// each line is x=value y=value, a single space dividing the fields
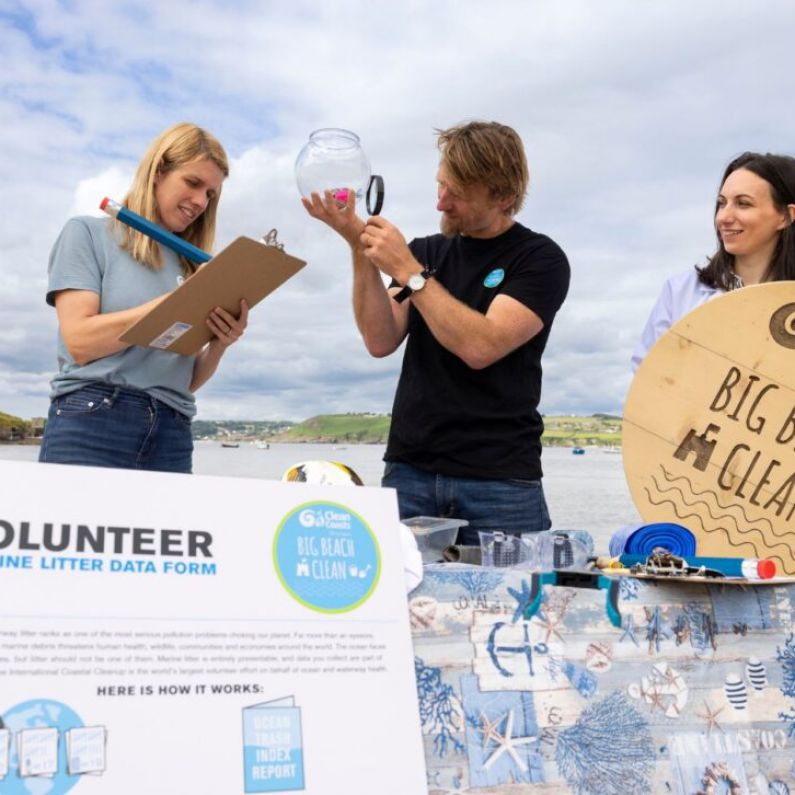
x=403 y=294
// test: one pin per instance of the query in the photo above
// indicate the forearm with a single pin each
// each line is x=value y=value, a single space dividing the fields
x=377 y=315
x=478 y=340
x=206 y=364
x=463 y=331
x=93 y=336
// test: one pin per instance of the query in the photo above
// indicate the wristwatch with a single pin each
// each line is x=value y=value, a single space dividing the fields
x=415 y=283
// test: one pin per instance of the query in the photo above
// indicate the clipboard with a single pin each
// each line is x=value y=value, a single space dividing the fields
x=246 y=269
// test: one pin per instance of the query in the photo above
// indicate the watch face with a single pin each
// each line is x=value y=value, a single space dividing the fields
x=416 y=282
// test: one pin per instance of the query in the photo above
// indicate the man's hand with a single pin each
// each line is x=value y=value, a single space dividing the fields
x=340 y=217
x=386 y=248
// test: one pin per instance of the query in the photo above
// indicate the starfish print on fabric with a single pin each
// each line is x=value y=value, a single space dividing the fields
x=656 y=629
x=523 y=597
x=653 y=697
x=490 y=730
x=507 y=744
x=711 y=717
x=629 y=630
x=670 y=677
x=549 y=625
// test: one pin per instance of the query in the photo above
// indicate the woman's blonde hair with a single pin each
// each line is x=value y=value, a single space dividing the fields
x=177 y=146
x=487 y=153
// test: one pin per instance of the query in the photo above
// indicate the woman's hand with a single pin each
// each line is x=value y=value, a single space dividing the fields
x=227 y=328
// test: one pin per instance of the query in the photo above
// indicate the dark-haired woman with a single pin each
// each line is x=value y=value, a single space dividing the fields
x=754 y=217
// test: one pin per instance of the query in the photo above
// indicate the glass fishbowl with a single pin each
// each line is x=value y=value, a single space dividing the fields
x=333 y=160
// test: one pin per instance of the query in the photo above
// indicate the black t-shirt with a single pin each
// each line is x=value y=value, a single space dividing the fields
x=450 y=419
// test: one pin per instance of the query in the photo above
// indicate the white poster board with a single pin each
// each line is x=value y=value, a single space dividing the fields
x=185 y=634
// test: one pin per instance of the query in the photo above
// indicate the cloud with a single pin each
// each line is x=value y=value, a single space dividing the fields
x=112 y=182
x=629 y=114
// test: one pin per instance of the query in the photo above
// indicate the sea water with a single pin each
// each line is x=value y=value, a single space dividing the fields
x=587 y=492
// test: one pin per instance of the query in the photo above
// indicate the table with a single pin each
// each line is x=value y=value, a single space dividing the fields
x=693 y=693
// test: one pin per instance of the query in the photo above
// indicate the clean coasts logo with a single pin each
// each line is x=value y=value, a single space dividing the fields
x=326 y=557
x=307 y=518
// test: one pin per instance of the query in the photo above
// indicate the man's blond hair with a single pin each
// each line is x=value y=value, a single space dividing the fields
x=486 y=153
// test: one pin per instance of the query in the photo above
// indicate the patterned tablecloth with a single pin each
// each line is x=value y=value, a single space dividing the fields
x=694 y=693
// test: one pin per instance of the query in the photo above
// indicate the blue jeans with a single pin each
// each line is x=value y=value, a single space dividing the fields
x=103 y=425
x=513 y=506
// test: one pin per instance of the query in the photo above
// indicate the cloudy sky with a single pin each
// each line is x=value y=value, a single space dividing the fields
x=629 y=112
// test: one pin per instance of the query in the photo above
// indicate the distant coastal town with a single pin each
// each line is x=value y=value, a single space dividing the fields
x=595 y=430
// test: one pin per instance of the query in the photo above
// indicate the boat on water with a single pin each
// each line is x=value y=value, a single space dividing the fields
x=262 y=445
x=613 y=448
x=229 y=444
x=578 y=451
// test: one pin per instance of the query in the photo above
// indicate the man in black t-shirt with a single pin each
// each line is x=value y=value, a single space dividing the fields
x=476 y=304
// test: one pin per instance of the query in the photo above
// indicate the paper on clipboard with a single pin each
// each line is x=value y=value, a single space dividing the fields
x=245 y=269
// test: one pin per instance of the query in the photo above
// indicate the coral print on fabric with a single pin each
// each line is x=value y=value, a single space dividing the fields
x=694 y=694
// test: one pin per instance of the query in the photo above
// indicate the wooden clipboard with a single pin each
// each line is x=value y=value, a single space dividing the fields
x=245 y=269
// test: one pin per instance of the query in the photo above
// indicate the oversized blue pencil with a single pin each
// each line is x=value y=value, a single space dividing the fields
x=168 y=239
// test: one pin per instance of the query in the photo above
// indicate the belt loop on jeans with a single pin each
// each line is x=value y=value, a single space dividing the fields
x=155 y=404
x=113 y=395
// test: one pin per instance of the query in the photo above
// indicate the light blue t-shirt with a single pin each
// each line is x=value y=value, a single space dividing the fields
x=87 y=256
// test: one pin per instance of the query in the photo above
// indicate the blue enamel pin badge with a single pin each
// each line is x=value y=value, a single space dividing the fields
x=494 y=278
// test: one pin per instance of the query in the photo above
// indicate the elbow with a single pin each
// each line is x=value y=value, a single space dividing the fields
x=79 y=350
x=478 y=359
x=79 y=356
x=378 y=351
x=378 y=348
x=478 y=364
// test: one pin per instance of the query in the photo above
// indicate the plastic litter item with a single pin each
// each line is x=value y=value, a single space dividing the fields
x=559 y=549
x=503 y=549
x=461 y=553
x=530 y=598
x=434 y=534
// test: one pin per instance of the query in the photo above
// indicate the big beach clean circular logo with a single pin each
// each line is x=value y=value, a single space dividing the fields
x=326 y=557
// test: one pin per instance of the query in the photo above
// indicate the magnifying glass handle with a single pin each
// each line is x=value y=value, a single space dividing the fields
x=378 y=181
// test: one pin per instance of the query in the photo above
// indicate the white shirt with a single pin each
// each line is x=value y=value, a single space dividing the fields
x=412 y=558
x=680 y=294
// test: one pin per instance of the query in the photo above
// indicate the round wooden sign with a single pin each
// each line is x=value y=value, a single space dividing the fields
x=709 y=426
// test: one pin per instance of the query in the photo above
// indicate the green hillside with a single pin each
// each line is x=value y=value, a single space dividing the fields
x=335 y=428
x=364 y=428
x=13 y=428
x=566 y=431
x=562 y=431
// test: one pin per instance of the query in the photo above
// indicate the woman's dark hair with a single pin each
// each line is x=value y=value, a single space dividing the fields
x=779 y=173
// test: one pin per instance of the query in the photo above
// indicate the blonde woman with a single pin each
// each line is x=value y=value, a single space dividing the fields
x=118 y=405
